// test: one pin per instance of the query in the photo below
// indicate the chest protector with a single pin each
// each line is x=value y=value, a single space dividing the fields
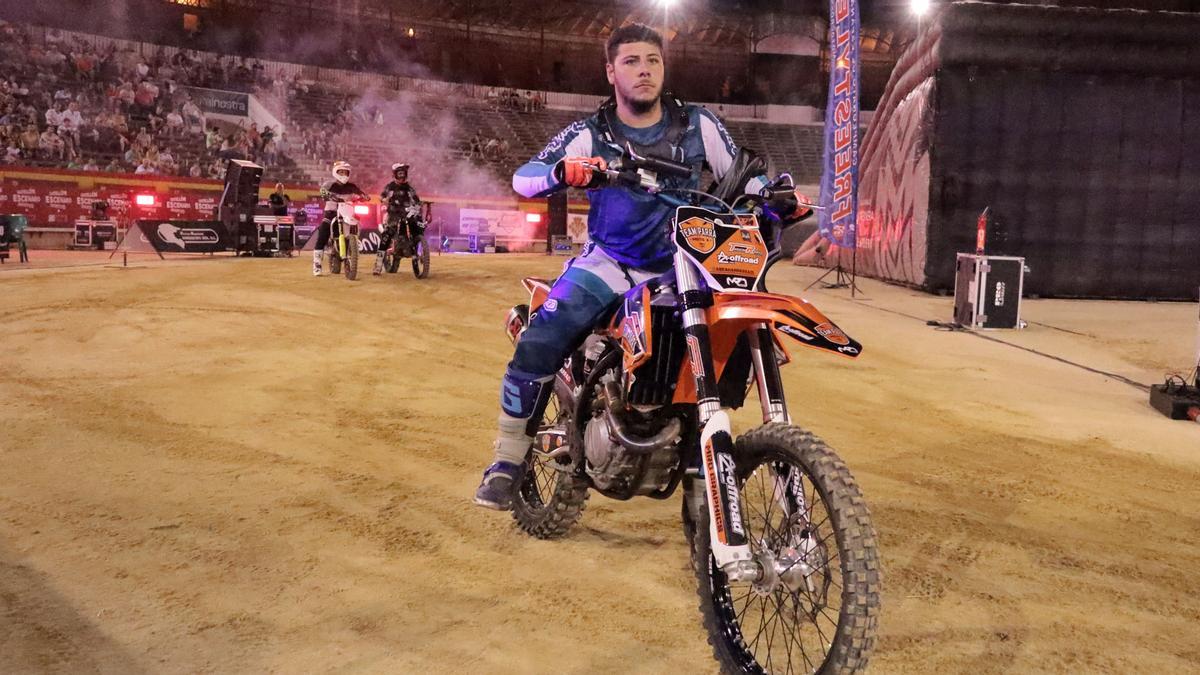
x=667 y=147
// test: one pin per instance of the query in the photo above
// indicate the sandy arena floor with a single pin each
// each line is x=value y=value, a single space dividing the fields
x=225 y=465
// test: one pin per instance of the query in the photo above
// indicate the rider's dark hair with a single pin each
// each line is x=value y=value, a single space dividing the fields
x=631 y=32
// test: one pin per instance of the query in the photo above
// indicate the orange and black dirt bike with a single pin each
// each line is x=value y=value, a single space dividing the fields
x=781 y=539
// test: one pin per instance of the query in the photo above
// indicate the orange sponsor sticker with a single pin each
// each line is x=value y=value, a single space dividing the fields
x=832 y=333
x=700 y=234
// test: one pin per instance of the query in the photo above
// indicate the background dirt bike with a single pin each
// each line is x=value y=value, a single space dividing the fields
x=782 y=544
x=402 y=246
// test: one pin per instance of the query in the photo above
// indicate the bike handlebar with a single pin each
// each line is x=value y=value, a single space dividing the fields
x=629 y=171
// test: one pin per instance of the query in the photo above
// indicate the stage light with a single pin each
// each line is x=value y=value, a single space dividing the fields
x=533 y=217
x=842 y=63
x=667 y=3
x=362 y=210
x=144 y=200
x=919 y=7
x=411 y=32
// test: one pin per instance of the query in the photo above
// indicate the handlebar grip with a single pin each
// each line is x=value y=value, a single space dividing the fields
x=666 y=167
x=772 y=194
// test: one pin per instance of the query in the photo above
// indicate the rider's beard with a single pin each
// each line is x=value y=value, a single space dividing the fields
x=641 y=107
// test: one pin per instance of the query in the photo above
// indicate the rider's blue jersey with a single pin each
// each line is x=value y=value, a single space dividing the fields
x=631 y=225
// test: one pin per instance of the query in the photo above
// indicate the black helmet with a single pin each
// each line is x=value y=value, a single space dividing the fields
x=398 y=169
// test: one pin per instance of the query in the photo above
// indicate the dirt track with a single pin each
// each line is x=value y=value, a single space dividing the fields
x=229 y=466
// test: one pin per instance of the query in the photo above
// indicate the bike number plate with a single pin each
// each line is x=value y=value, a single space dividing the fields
x=727 y=248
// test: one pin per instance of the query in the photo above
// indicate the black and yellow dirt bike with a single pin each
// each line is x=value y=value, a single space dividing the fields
x=782 y=543
x=342 y=248
x=403 y=246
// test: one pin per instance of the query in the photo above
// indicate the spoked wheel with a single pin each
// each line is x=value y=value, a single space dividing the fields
x=420 y=260
x=335 y=261
x=550 y=499
x=351 y=257
x=814 y=606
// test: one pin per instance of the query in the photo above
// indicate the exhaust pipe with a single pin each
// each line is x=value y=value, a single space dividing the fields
x=633 y=443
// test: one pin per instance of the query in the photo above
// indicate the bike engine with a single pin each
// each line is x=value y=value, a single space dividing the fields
x=627 y=457
x=610 y=467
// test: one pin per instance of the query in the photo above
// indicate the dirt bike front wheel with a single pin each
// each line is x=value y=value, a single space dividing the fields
x=351 y=257
x=550 y=499
x=335 y=260
x=814 y=607
x=420 y=259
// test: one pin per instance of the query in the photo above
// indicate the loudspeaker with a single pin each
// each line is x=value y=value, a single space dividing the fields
x=556 y=224
x=240 y=197
x=242 y=179
x=557 y=206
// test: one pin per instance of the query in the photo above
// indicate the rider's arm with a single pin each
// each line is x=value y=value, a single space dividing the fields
x=720 y=150
x=538 y=177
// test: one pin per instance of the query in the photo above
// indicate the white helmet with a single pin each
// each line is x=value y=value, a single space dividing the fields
x=341 y=171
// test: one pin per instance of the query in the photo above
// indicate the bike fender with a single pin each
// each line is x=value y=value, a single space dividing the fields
x=794 y=317
x=726 y=530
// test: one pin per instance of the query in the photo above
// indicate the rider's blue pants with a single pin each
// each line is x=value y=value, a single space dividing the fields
x=589 y=288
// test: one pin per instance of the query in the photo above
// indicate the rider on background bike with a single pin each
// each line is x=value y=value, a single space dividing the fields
x=339 y=190
x=399 y=197
x=628 y=230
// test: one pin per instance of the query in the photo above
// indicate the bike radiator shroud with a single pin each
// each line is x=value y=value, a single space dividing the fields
x=653 y=382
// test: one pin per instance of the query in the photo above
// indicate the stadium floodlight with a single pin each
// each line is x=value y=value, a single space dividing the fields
x=667 y=3
x=920 y=7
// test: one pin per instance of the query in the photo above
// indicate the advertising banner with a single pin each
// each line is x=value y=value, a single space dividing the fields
x=219 y=102
x=839 y=171
x=186 y=236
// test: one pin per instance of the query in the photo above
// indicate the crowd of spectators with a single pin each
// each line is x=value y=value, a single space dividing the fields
x=511 y=99
x=64 y=102
x=481 y=146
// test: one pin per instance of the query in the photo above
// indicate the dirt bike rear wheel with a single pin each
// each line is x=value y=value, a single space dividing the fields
x=550 y=499
x=420 y=260
x=819 y=612
x=351 y=257
x=335 y=260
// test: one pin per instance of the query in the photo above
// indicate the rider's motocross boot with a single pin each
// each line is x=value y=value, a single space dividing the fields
x=523 y=401
x=316 y=263
x=378 y=263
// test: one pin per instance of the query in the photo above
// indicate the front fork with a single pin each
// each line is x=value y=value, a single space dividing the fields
x=726 y=529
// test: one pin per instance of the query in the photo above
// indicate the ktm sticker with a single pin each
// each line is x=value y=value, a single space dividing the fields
x=832 y=333
x=694 y=356
x=700 y=234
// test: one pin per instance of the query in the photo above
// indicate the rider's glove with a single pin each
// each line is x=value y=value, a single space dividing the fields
x=790 y=207
x=802 y=211
x=578 y=171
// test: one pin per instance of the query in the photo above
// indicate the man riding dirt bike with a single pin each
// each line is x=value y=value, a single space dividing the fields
x=404 y=225
x=602 y=422
x=339 y=191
